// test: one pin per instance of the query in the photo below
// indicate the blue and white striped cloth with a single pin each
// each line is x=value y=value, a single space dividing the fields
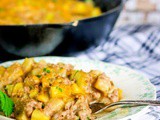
x=137 y=47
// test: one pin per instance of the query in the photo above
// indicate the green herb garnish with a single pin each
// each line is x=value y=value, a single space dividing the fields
x=46 y=70
x=39 y=76
x=89 y=1
x=6 y=104
x=1 y=9
x=61 y=68
x=88 y=118
x=60 y=89
x=43 y=105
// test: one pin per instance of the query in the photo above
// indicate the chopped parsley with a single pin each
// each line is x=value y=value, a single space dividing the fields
x=58 y=88
x=39 y=76
x=88 y=118
x=46 y=70
x=61 y=68
x=43 y=105
x=89 y=1
x=1 y=9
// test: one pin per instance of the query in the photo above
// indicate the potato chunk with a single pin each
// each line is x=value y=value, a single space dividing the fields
x=12 y=73
x=22 y=116
x=53 y=106
x=43 y=97
x=76 y=90
x=81 y=79
x=60 y=91
x=18 y=90
x=2 y=70
x=39 y=115
x=103 y=83
x=31 y=80
x=9 y=89
x=33 y=92
x=27 y=65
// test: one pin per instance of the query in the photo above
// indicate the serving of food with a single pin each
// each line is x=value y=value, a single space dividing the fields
x=45 y=11
x=45 y=91
x=57 y=88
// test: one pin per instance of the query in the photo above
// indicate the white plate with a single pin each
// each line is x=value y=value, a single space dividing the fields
x=134 y=85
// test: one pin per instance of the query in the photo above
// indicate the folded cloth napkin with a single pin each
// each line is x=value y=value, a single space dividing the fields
x=137 y=47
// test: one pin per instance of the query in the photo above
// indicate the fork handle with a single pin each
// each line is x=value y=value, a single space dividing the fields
x=140 y=102
x=132 y=102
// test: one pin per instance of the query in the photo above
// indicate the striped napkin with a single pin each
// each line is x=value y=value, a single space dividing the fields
x=136 y=47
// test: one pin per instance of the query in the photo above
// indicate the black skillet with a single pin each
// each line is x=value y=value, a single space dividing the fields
x=19 y=41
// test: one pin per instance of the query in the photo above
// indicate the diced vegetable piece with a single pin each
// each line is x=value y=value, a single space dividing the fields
x=42 y=63
x=95 y=12
x=39 y=115
x=80 y=8
x=62 y=72
x=13 y=72
x=47 y=70
x=53 y=106
x=31 y=80
x=76 y=89
x=33 y=92
x=22 y=116
x=2 y=70
x=47 y=79
x=120 y=93
x=103 y=83
x=18 y=90
x=94 y=74
x=81 y=78
x=36 y=71
x=60 y=90
x=27 y=65
x=43 y=97
x=9 y=89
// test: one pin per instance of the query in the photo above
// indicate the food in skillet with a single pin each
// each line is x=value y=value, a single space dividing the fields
x=44 y=91
x=45 y=11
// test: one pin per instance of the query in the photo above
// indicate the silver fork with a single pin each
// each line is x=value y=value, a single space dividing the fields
x=99 y=107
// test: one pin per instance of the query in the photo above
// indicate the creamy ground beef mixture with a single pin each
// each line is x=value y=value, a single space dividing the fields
x=45 y=91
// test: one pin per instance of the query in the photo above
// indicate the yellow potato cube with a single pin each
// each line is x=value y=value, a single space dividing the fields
x=43 y=97
x=96 y=12
x=22 y=116
x=53 y=105
x=81 y=79
x=9 y=89
x=2 y=70
x=81 y=8
x=39 y=115
x=103 y=83
x=36 y=71
x=27 y=65
x=13 y=72
x=61 y=91
x=46 y=80
x=33 y=92
x=120 y=93
x=31 y=80
x=76 y=90
x=18 y=89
